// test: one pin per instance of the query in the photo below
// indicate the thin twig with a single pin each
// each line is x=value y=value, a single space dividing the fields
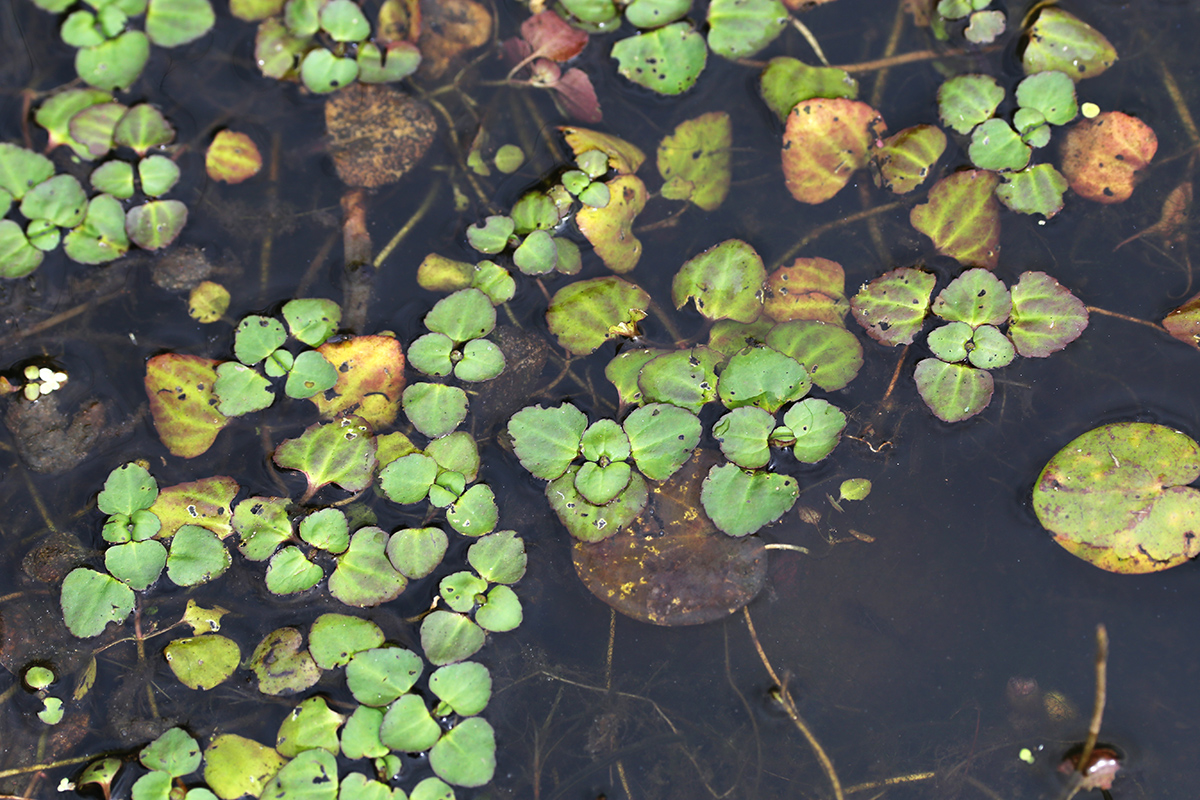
x=840 y=222
x=1127 y=318
x=812 y=40
x=894 y=781
x=58 y=319
x=1101 y=693
x=66 y=762
x=784 y=697
x=416 y=217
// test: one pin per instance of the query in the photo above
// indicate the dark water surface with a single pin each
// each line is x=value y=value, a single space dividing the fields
x=898 y=651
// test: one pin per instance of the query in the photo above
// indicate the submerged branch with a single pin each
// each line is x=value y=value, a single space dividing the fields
x=1127 y=318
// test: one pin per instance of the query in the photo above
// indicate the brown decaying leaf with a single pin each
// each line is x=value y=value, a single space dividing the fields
x=671 y=566
x=1101 y=156
x=399 y=20
x=449 y=28
x=1171 y=225
x=376 y=133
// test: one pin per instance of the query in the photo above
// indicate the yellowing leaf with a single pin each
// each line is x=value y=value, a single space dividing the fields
x=370 y=379
x=610 y=229
x=825 y=142
x=182 y=403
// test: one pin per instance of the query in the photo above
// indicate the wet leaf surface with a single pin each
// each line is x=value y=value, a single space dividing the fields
x=962 y=218
x=610 y=229
x=206 y=502
x=740 y=502
x=953 y=392
x=1102 y=156
x=976 y=297
x=1036 y=190
x=370 y=379
x=1061 y=41
x=340 y=452
x=904 y=160
x=450 y=28
x=1117 y=497
x=726 y=282
x=787 y=81
x=1046 y=317
x=182 y=402
x=741 y=28
x=672 y=566
x=667 y=60
x=825 y=142
x=831 y=354
x=585 y=314
x=694 y=160
x=810 y=288
x=892 y=307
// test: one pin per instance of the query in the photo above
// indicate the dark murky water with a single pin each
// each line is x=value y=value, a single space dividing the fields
x=898 y=651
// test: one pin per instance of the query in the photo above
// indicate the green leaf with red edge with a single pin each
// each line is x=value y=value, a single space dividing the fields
x=962 y=218
x=92 y=128
x=694 y=160
x=726 y=282
x=1184 y=322
x=811 y=288
x=826 y=140
x=206 y=502
x=976 y=297
x=953 y=392
x=903 y=162
x=610 y=229
x=585 y=314
x=232 y=157
x=1102 y=156
x=1118 y=498
x=370 y=380
x=1046 y=317
x=1034 y=190
x=141 y=128
x=156 y=224
x=56 y=112
x=892 y=307
x=341 y=452
x=182 y=402
x=1062 y=41
x=787 y=81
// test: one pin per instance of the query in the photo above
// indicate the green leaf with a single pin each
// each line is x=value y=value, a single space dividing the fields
x=151 y=786
x=430 y=354
x=21 y=169
x=236 y=766
x=534 y=211
x=590 y=11
x=326 y=529
x=396 y=62
x=59 y=199
x=585 y=314
x=407 y=479
x=962 y=218
x=537 y=255
x=787 y=81
x=197 y=556
x=905 y=159
x=466 y=754
x=93 y=127
x=1117 y=497
x=694 y=160
x=591 y=523
x=91 y=600
x=892 y=307
x=310 y=374
x=1050 y=93
x=481 y=361
x=18 y=257
x=460 y=589
x=170 y=23
x=262 y=524
x=498 y=557
x=312 y=320
x=854 y=489
x=447 y=637
x=282 y=664
x=256 y=337
x=137 y=564
x=492 y=236
x=474 y=513
x=740 y=502
x=434 y=788
x=1036 y=190
x=667 y=60
x=336 y=638
x=1046 y=317
x=127 y=489
x=206 y=502
x=364 y=576
x=241 y=390
x=991 y=349
x=964 y=101
x=741 y=28
x=143 y=127
x=114 y=64
x=101 y=237
x=379 y=676
x=598 y=484
x=174 y=752
x=825 y=141
x=623 y=372
x=202 y=662
x=662 y=438
x=290 y=572
x=466 y=314
x=434 y=408
x=323 y=72
x=43 y=235
x=407 y=726
x=310 y=725
x=344 y=21
x=953 y=392
x=685 y=378
x=976 y=297
x=656 y=13
x=996 y=146
x=416 y=552
x=360 y=739
x=340 y=452
x=817 y=426
x=464 y=688
x=831 y=354
x=115 y=178
x=1061 y=41
x=312 y=775
x=494 y=281
x=155 y=224
x=55 y=115
x=742 y=435
x=949 y=342
x=763 y=377
x=726 y=282
x=984 y=27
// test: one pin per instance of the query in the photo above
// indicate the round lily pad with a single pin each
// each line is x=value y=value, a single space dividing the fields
x=991 y=349
x=466 y=314
x=694 y=160
x=115 y=63
x=685 y=378
x=416 y=552
x=610 y=228
x=379 y=676
x=155 y=224
x=825 y=141
x=499 y=557
x=546 y=440
x=475 y=512
x=1046 y=317
x=90 y=600
x=236 y=766
x=500 y=610
x=364 y=576
x=335 y=638
x=1117 y=497
x=197 y=556
x=949 y=342
x=447 y=637
x=174 y=752
x=962 y=217
x=996 y=146
x=906 y=158
x=1035 y=190
x=1058 y=40
x=290 y=572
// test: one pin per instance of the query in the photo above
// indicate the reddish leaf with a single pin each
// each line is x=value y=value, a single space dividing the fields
x=370 y=378
x=904 y=160
x=182 y=402
x=1184 y=322
x=962 y=218
x=1101 y=156
x=1172 y=224
x=826 y=140
x=811 y=288
x=577 y=96
x=551 y=37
